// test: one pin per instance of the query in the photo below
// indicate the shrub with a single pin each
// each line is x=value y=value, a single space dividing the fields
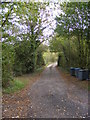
x=7 y=63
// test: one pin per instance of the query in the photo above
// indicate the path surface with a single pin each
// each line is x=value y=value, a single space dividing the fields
x=52 y=97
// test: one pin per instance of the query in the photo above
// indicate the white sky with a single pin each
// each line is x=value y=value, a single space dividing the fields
x=53 y=11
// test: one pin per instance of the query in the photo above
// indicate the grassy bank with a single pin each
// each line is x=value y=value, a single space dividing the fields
x=67 y=71
x=21 y=82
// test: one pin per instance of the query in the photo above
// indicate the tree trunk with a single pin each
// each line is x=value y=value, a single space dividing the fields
x=59 y=59
x=79 y=52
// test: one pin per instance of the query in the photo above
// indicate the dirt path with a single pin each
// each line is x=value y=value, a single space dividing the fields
x=15 y=105
x=54 y=97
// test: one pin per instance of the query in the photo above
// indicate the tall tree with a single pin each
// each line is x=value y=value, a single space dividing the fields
x=74 y=22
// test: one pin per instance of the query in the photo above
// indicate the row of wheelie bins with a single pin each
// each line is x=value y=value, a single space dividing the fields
x=82 y=74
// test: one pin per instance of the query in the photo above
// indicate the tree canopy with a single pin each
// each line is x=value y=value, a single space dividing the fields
x=72 y=34
x=22 y=33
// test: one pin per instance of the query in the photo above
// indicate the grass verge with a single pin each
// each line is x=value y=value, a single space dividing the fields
x=83 y=84
x=15 y=85
x=67 y=71
x=20 y=82
x=89 y=88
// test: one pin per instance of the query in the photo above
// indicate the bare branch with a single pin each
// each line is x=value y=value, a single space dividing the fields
x=7 y=16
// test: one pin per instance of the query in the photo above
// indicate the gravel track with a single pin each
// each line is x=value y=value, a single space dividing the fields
x=53 y=97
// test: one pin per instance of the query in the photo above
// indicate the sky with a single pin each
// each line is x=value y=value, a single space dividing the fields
x=53 y=12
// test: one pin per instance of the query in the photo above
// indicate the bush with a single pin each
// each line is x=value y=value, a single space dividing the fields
x=26 y=58
x=7 y=64
x=40 y=61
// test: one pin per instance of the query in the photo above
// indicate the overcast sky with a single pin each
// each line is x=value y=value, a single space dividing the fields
x=53 y=12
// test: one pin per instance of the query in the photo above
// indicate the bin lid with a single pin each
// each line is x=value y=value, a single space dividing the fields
x=82 y=70
x=77 y=68
x=72 y=68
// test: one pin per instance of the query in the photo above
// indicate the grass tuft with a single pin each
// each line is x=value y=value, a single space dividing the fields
x=14 y=86
x=21 y=81
x=88 y=87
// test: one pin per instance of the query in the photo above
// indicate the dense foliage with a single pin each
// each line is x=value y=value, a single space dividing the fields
x=7 y=63
x=49 y=57
x=23 y=24
x=72 y=40
x=21 y=37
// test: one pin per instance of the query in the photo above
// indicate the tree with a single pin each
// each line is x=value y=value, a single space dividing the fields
x=74 y=23
x=21 y=25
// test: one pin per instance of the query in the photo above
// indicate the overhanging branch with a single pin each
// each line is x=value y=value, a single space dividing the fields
x=7 y=16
